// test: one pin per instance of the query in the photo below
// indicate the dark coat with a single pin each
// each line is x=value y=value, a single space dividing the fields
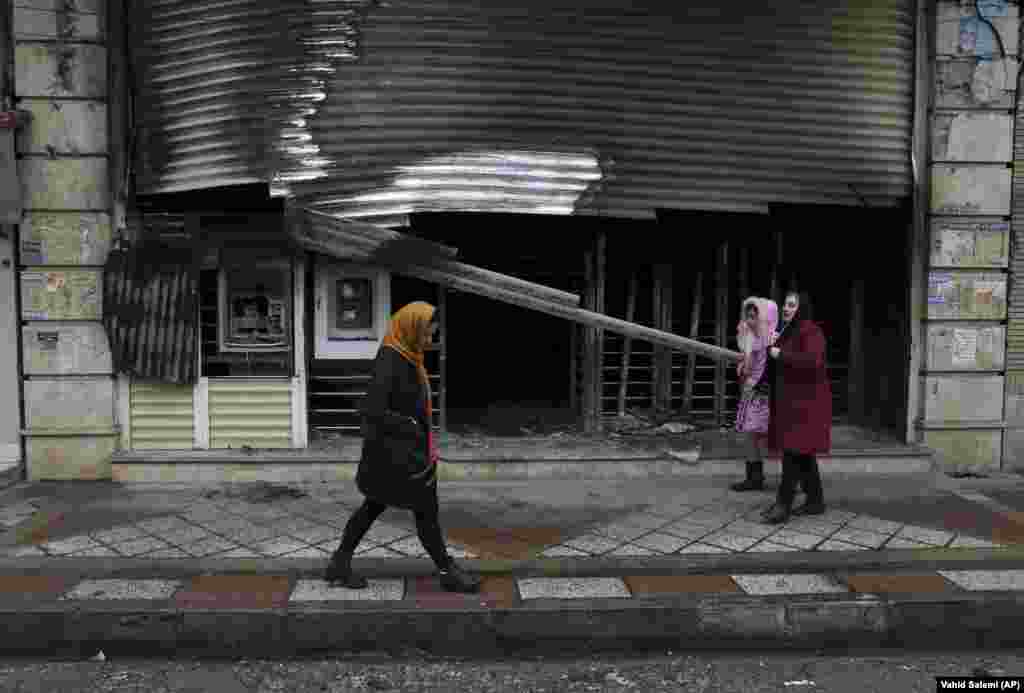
x=801 y=417
x=395 y=467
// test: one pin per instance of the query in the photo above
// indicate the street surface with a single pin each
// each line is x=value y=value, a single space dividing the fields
x=711 y=673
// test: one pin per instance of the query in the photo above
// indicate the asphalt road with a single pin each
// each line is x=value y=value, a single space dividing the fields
x=747 y=672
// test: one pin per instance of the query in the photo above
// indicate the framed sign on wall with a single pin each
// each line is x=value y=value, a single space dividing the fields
x=352 y=306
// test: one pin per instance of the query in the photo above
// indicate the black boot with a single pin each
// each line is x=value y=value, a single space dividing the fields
x=754 y=480
x=810 y=479
x=453 y=579
x=777 y=515
x=339 y=572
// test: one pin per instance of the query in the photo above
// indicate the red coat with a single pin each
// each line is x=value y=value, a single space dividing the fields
x=801 y=415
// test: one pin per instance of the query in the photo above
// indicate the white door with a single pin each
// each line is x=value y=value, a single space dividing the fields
x=10 y=449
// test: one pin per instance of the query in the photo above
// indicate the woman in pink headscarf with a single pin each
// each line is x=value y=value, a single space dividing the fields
x=754 y=334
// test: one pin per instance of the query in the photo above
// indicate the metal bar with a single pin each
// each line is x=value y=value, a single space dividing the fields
x=855 y=384
x=600 y=278
x=777 y=269
x=667 y=300
x=743 y=272
x=628 y=344
x=691 y=361
x=722 y=313
x=574 y=357
x=589 y=347
x=442 y=302
x=656 y=316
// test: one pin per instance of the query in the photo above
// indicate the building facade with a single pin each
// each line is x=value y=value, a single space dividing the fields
x=222 y=203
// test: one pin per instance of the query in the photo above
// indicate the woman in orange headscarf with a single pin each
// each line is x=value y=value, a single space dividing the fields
x=398 y=466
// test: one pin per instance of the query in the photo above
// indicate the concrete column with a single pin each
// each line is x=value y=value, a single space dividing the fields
x=971 y=132
x=61 y=78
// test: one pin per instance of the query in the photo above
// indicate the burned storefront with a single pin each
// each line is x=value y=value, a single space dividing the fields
x=587 y=191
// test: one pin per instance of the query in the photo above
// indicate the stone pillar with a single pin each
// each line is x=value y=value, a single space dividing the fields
x=962 y=378
x=61 y=78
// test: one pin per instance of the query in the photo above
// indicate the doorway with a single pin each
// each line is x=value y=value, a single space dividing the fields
x=507 y=368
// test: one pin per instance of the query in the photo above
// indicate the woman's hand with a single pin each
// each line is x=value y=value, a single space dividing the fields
x=774 y=352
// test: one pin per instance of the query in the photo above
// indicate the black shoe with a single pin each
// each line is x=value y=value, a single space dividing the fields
x=339 y=572
x=453 y=579
x=809 y=509
x=754 y=480
x=777 y=515
x=748 y=484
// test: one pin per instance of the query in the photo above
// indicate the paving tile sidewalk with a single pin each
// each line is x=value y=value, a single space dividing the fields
x=237 y=567
x=496 y=521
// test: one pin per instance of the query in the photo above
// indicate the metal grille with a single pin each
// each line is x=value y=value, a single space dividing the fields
x=149 y=311
x=555 y=107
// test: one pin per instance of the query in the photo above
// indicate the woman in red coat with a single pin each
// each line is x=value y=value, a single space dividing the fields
x=801 y=412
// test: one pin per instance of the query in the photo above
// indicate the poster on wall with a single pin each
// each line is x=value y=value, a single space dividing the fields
x=953 y=245
x=940 y=289
x=992 y=244
x=60 y=295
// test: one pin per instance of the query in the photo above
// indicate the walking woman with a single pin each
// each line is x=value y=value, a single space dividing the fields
x=398 y=466
x=801 y=418
x=755 y=333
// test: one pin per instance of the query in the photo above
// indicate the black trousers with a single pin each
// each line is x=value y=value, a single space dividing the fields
x=428 y=527
x=802 y=469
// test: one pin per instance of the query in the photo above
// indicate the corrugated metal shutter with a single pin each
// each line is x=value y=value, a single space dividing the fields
x=161 y=416
x=555 y=107
x=253 y=413
x=149 y=311
x=222 y=88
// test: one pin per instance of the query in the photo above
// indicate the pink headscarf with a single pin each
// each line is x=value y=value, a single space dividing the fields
x=767 y=321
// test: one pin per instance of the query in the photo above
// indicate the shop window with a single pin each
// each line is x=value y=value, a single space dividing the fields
x=247 y=316
x=351 y=310
x=254 y=307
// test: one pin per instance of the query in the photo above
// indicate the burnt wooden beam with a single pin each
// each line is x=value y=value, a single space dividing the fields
x=509 y=292
x=392 y=249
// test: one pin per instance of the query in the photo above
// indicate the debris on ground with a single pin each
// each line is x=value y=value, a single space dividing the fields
x=688 y=456
x=676 y=427
x=257 y=492
x=968 y=475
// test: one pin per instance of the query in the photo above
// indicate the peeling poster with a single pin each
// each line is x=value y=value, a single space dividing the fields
x=987 y=293
x=940 y=288
x=965 y=347
x=60 y=295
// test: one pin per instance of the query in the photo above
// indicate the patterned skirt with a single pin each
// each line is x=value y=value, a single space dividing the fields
x=753 y=412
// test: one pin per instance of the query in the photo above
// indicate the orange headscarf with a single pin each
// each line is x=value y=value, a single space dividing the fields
x=406 y=335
